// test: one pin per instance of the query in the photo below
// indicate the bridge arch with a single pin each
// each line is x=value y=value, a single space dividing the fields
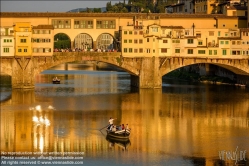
x=230 y=65
x=62 y=40
x=83 y=41
x=106 y=41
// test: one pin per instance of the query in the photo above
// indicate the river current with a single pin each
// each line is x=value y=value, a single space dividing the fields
x=181 y=124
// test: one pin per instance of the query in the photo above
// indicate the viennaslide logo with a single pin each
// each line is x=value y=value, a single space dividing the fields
x=235 y=155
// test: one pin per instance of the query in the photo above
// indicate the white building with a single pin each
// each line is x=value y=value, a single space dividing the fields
x=7 y=41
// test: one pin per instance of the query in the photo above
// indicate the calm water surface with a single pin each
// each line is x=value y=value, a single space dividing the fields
x=180 y=124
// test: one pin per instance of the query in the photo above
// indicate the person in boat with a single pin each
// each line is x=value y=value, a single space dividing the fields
x=56 y=79
x=127 y=127
x=114 y=128
x=110 y=122
x=123 y=127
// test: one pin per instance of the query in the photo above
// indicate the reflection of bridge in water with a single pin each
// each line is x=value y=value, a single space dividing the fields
x=178 y=127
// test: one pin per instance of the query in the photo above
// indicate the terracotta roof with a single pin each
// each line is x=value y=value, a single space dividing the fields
x=43 y=27
x=112 y=15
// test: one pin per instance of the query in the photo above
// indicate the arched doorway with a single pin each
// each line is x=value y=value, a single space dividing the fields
x=105 y=41
x=83 y=41
x=62 y=41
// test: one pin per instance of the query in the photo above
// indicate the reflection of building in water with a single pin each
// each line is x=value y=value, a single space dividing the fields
x=181 y=128
x=7 y=130
x=83 y=41
x=105 y=41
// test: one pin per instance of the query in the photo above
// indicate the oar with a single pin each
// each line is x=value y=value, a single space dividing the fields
x=104 y=127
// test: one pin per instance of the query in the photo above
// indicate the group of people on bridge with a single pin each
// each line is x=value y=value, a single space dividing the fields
x=84 y=50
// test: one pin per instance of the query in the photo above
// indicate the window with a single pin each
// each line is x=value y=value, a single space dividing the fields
x=130 y=32
x=211 y=33
x=210 y=52
x=177 y=50
x=130 y=41
x=218 y=33
x=226 y=42
x=19 y=50
x=175 y=41
x=165 y=41
x=25 y=50
x=135 y=50
x=224 y=52
x=201 y=51
x=148 y=50
x=61 y=23
x=140 y=32
x=125 y=41
x=154 y=29
x=199 y=42
x=154 y=51
x=140 y=50
x=238 y=42
x=163 y=50
x=221 y=42
x=6 y=50
x=198 y=35
x=224 y=25
x=190 y=51
x=106 y=24
x=4 y=40
x=187 y=32
x=135 y=32
x=125 y=32
x=84 y=24
x=140 y=41
x=125 y=49
x=130 y=49
x=190 y=41
x=148 y=39
x=23 y=40
x=215 y=52
x=135 y=41
x=233 y=42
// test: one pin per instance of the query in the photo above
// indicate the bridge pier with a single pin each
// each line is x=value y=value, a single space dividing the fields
x=22 y=73
x=149 y=75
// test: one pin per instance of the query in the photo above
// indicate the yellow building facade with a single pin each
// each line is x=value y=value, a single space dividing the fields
x=23 y=33
x=42 y=40
x=150 y=38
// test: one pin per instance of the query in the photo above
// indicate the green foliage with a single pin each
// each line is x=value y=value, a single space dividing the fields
x=61 y=40
x=62 y=44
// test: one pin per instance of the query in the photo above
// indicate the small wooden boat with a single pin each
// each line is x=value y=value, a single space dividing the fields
x=119 y=134
x=56 y=81
x=121 y=143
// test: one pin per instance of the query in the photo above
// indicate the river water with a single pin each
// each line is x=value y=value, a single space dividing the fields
x=181 y=124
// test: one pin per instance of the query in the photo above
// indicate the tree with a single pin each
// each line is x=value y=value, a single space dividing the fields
x=109 y=6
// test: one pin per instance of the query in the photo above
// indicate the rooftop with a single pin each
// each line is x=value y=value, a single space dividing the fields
x=125 y=15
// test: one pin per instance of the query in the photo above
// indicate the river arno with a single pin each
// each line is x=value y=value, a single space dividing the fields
x=180 y=124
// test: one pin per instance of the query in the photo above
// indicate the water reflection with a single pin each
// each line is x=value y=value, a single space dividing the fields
x=179 y=125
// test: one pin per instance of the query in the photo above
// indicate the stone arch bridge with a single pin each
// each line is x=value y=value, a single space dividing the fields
x=146 y=72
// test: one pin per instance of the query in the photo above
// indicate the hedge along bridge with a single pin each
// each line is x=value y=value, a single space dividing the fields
x=146 y=72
